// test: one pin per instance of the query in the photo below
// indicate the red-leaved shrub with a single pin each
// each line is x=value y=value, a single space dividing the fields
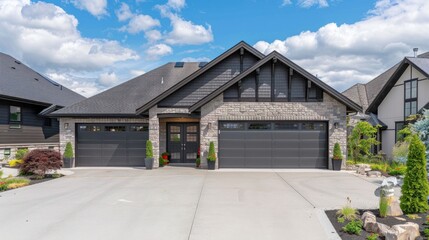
x=39 y=161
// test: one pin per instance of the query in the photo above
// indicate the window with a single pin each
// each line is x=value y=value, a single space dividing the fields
x=15 y=117
x=313 y=126
x=232 y=126
x=286 y=126
x=139 y=128
x=398 y=127
x=89 y=128
x=259 y=126
x=410 y=104
x=114 y=128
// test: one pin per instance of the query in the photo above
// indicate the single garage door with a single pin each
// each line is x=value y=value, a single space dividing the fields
x=111 y=144
x=273 y=145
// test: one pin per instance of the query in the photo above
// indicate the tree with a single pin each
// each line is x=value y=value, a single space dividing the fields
x=212 y=153
x=421 y=128
x=361 y=139
x=415 y=190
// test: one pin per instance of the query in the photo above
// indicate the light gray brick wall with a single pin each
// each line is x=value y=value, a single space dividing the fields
x=329 y=110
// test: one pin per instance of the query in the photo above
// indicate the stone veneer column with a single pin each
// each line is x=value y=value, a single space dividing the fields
x=154 y=133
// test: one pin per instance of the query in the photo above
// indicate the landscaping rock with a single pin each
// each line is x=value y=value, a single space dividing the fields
x=363 y=168
x=394 y=208
x=406 y=231
x=368 y=216
x=371 y=225
x=373 y=174
x=400 y=219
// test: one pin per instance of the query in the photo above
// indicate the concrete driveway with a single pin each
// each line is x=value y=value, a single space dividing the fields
x=181 y=203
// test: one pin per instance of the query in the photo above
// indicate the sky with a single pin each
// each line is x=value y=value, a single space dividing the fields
x=92 y=45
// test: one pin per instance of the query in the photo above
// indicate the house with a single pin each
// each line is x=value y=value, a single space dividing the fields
x=389 y=99
x=26 y=97
x=260 y=112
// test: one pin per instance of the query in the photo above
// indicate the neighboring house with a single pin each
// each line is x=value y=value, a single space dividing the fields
x=25 y=99
x=390 y=98
x=260 y=111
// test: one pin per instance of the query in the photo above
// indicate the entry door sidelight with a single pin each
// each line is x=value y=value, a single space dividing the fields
x=183 y=142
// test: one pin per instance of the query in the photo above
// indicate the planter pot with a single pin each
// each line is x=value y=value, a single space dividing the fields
x=336 y=164
x=148 y=163
x=211 y=165
x=68 y=162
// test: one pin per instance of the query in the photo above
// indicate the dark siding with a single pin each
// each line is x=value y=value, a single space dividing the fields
x=209 y=81
x=231 y=93
x=32 y=129
x=264 y=88
x=248 y=87
x=298 y=88
x=280 y=82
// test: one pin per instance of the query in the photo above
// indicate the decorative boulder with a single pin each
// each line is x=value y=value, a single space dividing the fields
x=406 y=231
x=373 y=174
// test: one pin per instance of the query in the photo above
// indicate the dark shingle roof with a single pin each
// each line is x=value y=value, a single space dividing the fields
x=357 y=93
x=18 y=81
x=421 y=63
x=125 y=98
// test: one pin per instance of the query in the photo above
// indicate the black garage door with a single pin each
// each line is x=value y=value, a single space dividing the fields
x=273 y=145
x=111 y=144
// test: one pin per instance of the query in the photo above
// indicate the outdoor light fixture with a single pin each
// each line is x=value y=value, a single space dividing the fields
x=209 y=125
x=336 y=125
x=66 y=125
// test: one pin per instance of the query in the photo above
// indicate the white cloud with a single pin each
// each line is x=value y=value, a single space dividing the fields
x=108 y=79
x=140 y=23
x=158 y=50
x=95 y=7
x=198 y=59
x=311 y=3
x=153 y=35
x=184 y=32
x=85 y=86
x=137 y=73
x=176 y=4
x=124 y=13
x=286 y=2
x=345 y=54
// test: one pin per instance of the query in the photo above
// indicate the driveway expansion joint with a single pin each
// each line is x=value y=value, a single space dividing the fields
x=284 y=180
x=196 y=208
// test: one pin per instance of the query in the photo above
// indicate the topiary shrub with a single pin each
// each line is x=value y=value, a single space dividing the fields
x=149 y=149
x=20 y=154
x=68 y=152
x=415 y=189
x=40 y=161
x=212 y=153
x=161 y=161
x=337 y=152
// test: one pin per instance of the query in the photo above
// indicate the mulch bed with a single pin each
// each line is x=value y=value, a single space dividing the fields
x=47 y=177
x=389 y=221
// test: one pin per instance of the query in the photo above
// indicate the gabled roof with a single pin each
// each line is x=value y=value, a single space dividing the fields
x=275 y=55
x=20 y=83
x=124 y=99
x=146 y=106
x=420 y=63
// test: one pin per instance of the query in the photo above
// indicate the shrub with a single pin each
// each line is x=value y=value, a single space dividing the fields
x=198 y=162
x=348 y=212
x=353 y=227
x=415 y=189
x=1 y=174
x=161 y=161
x=15 y=162
x=3 y=186
x=383 y=206
x=373 y=236
x=426 y=232
x=20 y=154
x=17 y=180
x=337 y=152
x=383 y=167
x=400 y=152
x=149 y=149
x=40 y=161
x=397 y=171
x=68 y=152
x=212 y=153
x=340 y=220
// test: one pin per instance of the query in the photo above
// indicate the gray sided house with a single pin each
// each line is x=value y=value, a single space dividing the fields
x=389 y=99
x=260 y=112
x=26 y=97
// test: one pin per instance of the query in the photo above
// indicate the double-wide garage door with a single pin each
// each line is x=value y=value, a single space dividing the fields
x=111 y=144
x=273 y=145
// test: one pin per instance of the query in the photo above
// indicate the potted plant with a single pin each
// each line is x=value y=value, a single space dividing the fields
x=211 y=158
x=148 y=161
x=165 y=157
x=68 y=158
x=337 y=158
x=161 y=161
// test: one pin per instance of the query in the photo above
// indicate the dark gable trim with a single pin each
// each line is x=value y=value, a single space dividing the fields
x=275 y=55
x=202 y=70
x=21 y=100
x=372 y=108
x=95 y=115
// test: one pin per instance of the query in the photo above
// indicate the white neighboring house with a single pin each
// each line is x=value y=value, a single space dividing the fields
x=389 y=99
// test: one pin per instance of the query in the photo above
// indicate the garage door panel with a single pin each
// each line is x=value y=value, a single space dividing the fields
x=287 y=143
x=258 y=162
x=304 y=146
x=232 y=162
x=121 y=147
x=286 y=162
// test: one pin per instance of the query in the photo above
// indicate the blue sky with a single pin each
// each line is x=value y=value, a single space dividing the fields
x=90 y=46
